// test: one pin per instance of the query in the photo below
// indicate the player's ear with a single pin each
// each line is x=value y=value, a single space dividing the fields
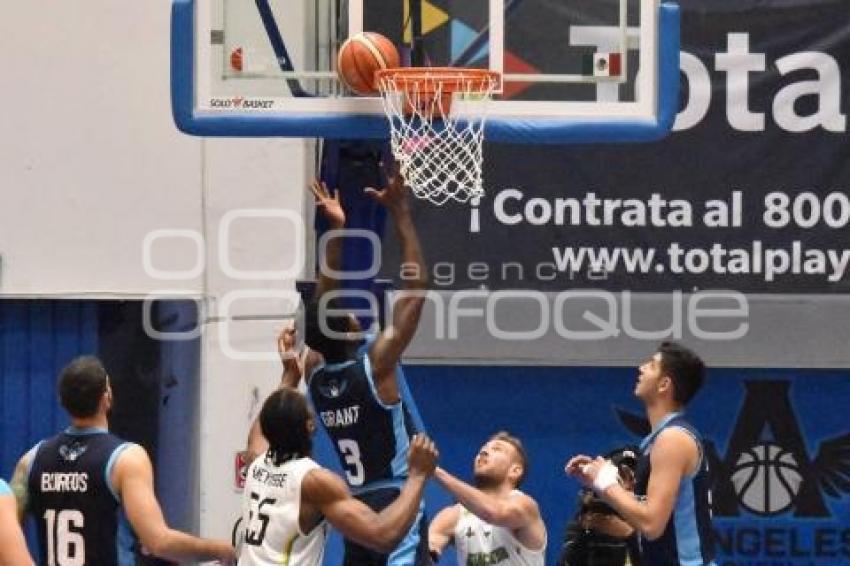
x=515 y=472
x=665 y=384
x=106 y=399
x=311 y=425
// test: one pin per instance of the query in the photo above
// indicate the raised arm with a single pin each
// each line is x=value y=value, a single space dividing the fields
x=295 y=366
x=325 y=492
x=441 y=531
x=133 y=478
x=291 y=360
x=257 y=444
x=519 y=513
x=331 y=208
x=673 y=456
x=407 y=308
x=293 y=369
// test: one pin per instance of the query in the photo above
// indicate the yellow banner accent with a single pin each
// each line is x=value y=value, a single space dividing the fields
x=432 y=18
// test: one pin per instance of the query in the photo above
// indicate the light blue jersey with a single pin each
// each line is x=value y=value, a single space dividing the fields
x=688 y=539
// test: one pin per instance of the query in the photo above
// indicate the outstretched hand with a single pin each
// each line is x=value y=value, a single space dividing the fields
x=598 y=473
x=422 y=456
x=394 y=194
x=286 y=348
x=226 y=553
x=582 y=468
x=329 y=204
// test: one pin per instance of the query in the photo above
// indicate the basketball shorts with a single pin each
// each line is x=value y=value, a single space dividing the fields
x=411 y=551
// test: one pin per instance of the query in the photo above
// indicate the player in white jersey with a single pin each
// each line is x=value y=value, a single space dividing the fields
x=289 y=499
x=493 y=522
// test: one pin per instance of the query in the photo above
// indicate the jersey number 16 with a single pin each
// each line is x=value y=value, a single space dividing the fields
x=65 y=545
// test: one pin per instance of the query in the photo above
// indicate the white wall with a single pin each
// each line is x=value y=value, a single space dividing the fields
x=240 y=360
x=90 y=160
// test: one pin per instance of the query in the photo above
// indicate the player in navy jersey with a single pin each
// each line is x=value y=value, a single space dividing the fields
x=671 y=506
x=13 y=547
x=86 y=487
x=354 y=384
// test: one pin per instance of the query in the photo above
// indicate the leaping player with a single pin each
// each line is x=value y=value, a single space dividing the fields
x=354 y=386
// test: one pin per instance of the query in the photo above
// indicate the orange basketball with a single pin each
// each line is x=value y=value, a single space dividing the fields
x=360 y=56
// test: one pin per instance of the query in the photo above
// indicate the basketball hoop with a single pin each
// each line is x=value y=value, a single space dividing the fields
x=439 y=151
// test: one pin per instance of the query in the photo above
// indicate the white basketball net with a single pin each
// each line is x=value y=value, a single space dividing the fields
x=439 y=152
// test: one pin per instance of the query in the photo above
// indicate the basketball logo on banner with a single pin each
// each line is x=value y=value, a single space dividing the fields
x=767 y=479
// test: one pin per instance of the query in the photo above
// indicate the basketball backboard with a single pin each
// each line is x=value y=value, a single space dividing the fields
x=573 y=71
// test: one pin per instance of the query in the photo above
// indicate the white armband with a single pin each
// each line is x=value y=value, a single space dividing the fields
x=607 y=476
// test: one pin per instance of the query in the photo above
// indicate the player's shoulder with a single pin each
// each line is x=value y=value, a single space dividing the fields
x=675 y=444
x=520 y=495
x=129 y=462
x=130 y=457
x=322 y=475
x=677 y=435
x=132 y=450
x=449 y=516
x=320 y=484
x=302 y=466
x=525 y=501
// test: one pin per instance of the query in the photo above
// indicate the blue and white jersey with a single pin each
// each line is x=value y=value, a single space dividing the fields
x=5 y=490
x=688 y=539
x=73 y=501
x=370 y=437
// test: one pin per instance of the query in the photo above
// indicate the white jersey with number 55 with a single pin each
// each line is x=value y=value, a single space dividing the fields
x=271 y=505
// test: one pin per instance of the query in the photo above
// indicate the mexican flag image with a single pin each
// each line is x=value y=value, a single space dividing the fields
x=602 y=64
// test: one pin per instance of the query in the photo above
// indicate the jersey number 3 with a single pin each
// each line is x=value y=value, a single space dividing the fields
x=65 y=546
x=354 y=470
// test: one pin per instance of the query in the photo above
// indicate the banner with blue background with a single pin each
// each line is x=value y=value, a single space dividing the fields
x=777 y=439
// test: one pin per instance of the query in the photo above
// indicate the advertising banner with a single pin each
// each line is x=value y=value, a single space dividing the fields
x=750 y=192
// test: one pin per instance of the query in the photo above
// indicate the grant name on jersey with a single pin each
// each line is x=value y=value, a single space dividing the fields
x=73 y=482
x=341 y=417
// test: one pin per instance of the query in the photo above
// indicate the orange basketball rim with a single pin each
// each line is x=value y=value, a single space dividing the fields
x=429 y=90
